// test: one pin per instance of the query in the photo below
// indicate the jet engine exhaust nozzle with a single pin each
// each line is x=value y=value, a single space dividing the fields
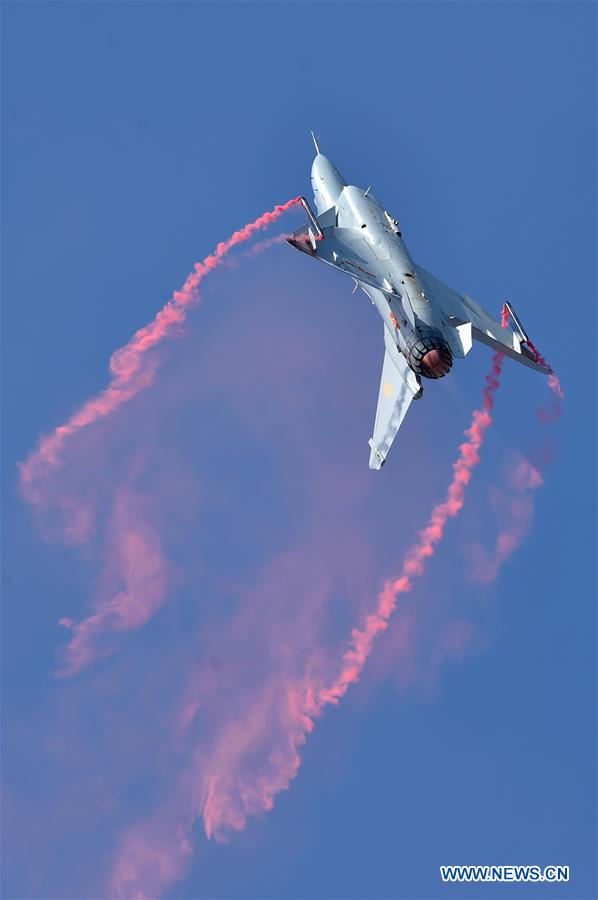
x=430 y=356
x=436 y=363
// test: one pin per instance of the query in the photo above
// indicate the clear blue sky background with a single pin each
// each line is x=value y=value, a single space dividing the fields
x=136 y=136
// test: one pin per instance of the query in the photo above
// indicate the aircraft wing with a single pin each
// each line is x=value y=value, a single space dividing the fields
x=462 y=310
x=398 y=387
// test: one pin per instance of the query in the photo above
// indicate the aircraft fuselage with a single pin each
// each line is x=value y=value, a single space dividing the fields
x=427 y=323
x=368 y=245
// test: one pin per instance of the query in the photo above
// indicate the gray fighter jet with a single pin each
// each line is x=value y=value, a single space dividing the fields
x=426 y=323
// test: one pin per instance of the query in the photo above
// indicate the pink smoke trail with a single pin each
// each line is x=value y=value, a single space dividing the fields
x=516 y=506
x=553 y=382
x=260 y=246
x=362 y=639
x=552 y=412
x=126 y=363
x=226 y=808
x=135 y=579
x=255 y=752
x=133 y=585
x=522 y=478
x=517 y=499
x=544 y=414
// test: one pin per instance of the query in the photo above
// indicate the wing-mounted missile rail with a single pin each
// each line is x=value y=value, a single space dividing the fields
x=306 y=238
x=526 y=346
x=517 y=323
x=317 y=234
x=310 y=215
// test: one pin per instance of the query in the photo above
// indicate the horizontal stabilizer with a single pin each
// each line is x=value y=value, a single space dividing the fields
x=461 y=310
x=303 y=239
x=488 y=331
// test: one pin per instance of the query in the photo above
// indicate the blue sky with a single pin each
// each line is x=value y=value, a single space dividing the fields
x=136 y=136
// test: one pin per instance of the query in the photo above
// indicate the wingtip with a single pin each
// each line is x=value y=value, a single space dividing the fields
x=377 y=458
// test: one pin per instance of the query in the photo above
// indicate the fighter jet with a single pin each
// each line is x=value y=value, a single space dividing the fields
x=426 y=323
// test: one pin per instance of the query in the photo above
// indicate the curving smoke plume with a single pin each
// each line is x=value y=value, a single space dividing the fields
x=249 y=749
x=514 y=507
x=223 y=808
x=363 y=638
x=243 y=747
x=135 y=573
x=128 y=375
x=254 y=753
x=133 y=583
x=552 y=412
x=514 y=501
x=553 y=382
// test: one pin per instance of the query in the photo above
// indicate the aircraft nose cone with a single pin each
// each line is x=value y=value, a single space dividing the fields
x=327 y=183
x=436 y=363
